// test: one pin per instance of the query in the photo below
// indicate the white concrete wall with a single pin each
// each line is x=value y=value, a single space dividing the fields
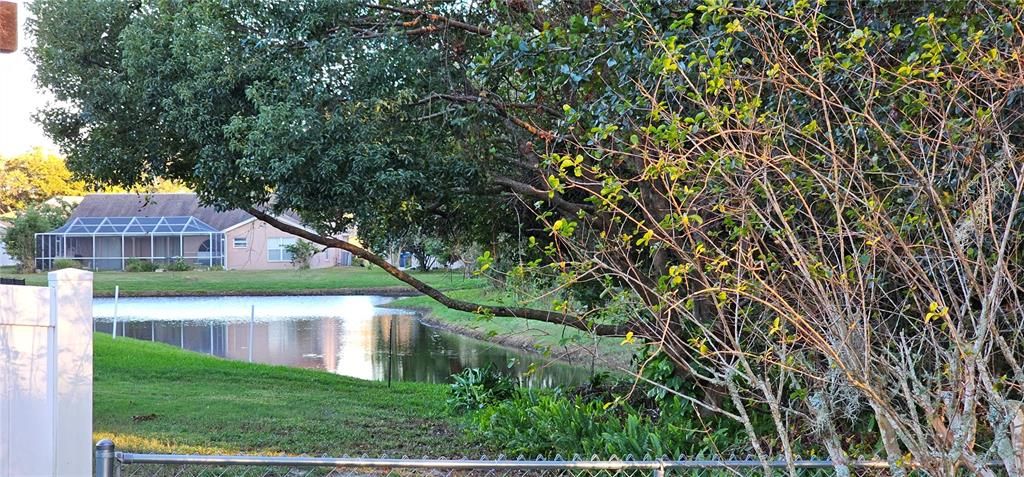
x=46 y=377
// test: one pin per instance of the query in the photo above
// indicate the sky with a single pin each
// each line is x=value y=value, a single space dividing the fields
x=19 y=99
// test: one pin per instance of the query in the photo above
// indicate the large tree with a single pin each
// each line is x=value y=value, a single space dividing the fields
x=34 y=177
x=810 y=211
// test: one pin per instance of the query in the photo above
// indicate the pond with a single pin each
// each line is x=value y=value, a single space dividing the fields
x=346 y=335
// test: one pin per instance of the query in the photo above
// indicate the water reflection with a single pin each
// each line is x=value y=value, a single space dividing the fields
x=344 y=335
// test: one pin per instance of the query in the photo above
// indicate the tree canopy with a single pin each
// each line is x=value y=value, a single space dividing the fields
x=33 y=177
x=809 y=210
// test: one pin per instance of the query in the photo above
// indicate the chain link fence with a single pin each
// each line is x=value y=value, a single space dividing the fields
x=121 y=464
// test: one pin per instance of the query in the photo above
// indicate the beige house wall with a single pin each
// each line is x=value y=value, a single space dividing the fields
x=254 y=256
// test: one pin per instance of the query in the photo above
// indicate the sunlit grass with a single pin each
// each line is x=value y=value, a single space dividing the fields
x=236 y=282
x=149 y=397
x=546 y=338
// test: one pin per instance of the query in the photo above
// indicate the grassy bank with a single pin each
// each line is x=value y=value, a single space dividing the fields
x=154 y=398
x=258 y=282
x=559 y=341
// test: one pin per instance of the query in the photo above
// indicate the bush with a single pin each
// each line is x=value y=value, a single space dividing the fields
x=302 y=251
x=136 y=265
x=61 y=263
x=550 y=423
x=180 y=265
x=20 y=240
x=475 y=388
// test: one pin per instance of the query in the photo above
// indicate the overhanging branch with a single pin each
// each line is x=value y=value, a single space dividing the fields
x=448 y=22
x=570 y=208
x=501 y=108
x=534 y=314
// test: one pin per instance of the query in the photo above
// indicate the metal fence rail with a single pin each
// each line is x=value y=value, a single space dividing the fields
x=110 y=463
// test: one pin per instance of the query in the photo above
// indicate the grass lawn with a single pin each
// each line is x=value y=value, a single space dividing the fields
x=543 y=337
x=150 y=397
x=263 y=282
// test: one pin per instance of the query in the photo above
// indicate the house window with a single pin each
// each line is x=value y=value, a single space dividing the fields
x=276 y=251
x=240 y=242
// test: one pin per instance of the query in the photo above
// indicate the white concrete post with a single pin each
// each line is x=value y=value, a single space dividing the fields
x=46 y=377
x=71 y=316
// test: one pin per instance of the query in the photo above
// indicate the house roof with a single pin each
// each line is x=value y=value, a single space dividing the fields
x=157 y=205
x=135 y=226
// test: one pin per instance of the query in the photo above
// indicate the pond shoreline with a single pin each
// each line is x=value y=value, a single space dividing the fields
x=391 y=292
x=573 y=354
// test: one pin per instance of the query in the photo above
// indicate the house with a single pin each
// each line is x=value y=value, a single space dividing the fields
x=5 y=259
x=106 y=231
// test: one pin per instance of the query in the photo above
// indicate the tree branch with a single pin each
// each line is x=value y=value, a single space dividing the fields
x=546 y=316
x=502 y=110
x=479 y=30
x=521 y=188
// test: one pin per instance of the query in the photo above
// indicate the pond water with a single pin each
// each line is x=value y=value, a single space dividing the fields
x=347 y=335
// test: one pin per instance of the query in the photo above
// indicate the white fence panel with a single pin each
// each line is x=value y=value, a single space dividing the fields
x=46 y=377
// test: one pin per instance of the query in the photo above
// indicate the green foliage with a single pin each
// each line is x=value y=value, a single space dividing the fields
x=34 y=177
x=62 y=263
x=138 y=265
x=354 y=159
x=20 y=240
x=302 y=251
x=179 y=265
x=474 y=388
x=803 y=202
x=552 y=423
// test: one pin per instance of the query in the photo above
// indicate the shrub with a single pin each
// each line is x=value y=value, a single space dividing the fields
x=302 y=251
x=550 y=423
x=475 y=388
x=20 y=240
x=136 y=265
x=61 y=263
x=180 y=265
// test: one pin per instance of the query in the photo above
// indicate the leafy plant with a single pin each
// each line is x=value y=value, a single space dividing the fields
x=138 y=265
x=474 y=388
x=302 y=251
x=550 y=423
x=180 y=265
x=20 y=240
x=61 y=263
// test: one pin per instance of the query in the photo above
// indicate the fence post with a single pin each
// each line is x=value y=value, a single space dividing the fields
x=105 y=458
x=117 y=291
x=659 y=471
x=252 y=322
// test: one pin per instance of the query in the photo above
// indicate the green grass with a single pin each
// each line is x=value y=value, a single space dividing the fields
x=542 y=337
x=264 y=282
x=150 y=397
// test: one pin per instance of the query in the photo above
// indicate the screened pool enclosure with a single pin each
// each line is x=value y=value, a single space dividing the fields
x=108 y=243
